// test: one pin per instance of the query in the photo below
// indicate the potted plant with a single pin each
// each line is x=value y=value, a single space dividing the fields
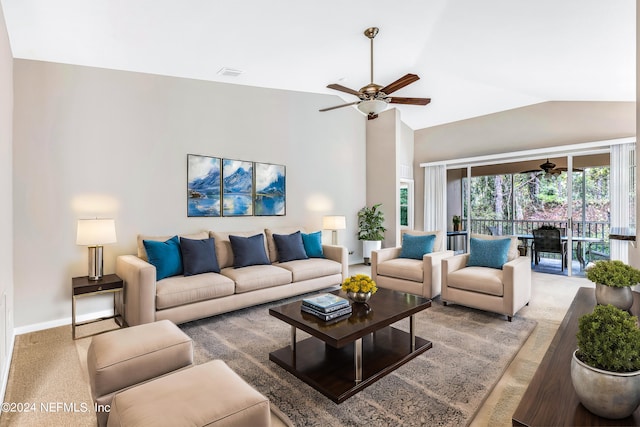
x=613 y=281
x=359 y=287
x=605 y=369
x=370 y=230
x=457 y=223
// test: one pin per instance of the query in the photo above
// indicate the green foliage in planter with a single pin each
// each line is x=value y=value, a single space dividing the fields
x=613 y=273
x=370 y=223
x=457 y=219
x=609 y=339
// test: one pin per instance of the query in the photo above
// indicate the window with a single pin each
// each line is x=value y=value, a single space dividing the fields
x=406 y=203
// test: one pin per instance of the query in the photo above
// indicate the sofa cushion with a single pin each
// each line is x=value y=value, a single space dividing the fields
x=311 y=268
x=248 y=250
x=437 y=244
x=402 y=268
x=272 y=249
x=488 y=253
x=290 y=246
x=416 y=247
x=257 y=277
x=224 y=252
x=165 y=257
x=142 y=253
x=181 y=290
x=513 y=252
x=313 y=244
x=477 y=279
x=198 y=256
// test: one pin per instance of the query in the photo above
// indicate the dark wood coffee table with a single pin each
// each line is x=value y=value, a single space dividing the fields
x=343 y=357
x=550 y=399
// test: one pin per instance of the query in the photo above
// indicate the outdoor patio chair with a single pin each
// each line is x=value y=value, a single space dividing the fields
x=548 y=240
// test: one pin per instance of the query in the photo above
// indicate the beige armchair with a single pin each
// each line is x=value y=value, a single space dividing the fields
x=503 y=291
x=416 y=276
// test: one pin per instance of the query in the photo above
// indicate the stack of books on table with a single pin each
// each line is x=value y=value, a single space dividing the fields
x=326 y=306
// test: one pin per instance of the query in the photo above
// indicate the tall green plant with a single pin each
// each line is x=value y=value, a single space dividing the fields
x=370 y=222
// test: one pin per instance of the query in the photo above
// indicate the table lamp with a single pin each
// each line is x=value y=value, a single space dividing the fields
x=94 y=233
x=334 y=223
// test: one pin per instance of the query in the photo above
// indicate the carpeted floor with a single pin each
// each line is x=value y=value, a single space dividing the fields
x=49 y=368
x=443 y=387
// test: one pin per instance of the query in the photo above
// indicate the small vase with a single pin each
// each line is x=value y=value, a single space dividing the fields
x=359 y=297
x=617 y=297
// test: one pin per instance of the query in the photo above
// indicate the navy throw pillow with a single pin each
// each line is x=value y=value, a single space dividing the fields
x=198 y=256
x=248 y=251
x=415 y=247
x=165 y=257
x=290 y=247
x=313 y=244
x=488 y=253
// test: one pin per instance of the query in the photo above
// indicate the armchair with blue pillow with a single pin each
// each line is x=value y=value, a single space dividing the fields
x=413 y=267
x=492 y=276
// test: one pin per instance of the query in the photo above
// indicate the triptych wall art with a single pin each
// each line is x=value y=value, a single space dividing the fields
x=225 y=187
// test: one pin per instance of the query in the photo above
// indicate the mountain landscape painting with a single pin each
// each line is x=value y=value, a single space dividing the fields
x=270 y=189
x=237 y=188
x=203 y=185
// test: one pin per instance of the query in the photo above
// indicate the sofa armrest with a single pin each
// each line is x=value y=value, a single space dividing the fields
x=139 y=289
x=517 y=282
x=453 y=263
x=338 y=254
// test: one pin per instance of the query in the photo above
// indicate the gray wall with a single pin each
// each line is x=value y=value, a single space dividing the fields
x=6 y=206
x=94 y=142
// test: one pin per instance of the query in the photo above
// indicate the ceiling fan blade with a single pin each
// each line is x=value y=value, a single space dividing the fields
x=412 y=101
x=400 y=83
x=339 y=106
x=344 y=89
x=567 y=170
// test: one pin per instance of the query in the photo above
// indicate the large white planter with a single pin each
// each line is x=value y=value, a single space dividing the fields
x=610 y=395
x=367 y=247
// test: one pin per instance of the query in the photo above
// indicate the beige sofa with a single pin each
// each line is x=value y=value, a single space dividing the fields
x=420 y=277
x=503 y=291
x=186 y=298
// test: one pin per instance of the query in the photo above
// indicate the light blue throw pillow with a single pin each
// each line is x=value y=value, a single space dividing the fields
x=415 y=247
x=488 y=252
x=165 y=256
x=313 y=244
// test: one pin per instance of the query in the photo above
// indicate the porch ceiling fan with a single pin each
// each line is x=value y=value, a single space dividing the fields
x=549 y=168
x=373 y=97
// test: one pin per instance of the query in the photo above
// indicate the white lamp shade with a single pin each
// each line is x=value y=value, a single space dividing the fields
x=334 y=222
x=96 y=232
x=373 y=106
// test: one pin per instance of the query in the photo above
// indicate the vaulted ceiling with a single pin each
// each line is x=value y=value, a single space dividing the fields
x=473 y=57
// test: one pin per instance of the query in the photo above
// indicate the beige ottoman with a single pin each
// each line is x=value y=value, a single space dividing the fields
x=210 y=394
x=120 y=359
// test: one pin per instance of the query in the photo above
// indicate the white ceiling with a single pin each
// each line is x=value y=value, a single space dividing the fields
x=473 y=57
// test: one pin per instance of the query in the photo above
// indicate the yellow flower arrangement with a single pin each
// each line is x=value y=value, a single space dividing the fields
x=359 y=283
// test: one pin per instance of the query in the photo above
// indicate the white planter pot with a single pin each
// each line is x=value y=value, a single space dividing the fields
x=367 y=247
x=610 y=395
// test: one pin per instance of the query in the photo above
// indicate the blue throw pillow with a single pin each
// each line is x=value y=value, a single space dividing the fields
x=165 y=256
x=488 y=253
x=290 y=247
x=313 y=244
x=198 y=256
x=248 y=251
x=415 y=247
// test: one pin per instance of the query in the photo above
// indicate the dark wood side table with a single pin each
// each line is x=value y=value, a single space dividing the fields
x=83 y=287
x=550 y=399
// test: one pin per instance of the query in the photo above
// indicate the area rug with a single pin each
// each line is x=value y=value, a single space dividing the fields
x=443 y=387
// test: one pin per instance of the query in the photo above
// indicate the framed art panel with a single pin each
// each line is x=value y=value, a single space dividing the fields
x=237 y=188
x=203 y=186
x=270 y=195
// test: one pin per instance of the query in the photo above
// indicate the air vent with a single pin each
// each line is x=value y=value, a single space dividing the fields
x=230 y=72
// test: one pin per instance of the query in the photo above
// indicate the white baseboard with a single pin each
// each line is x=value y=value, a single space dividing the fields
x=7 y=367
x=61 y=322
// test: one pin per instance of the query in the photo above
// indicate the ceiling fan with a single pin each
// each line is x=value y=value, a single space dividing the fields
x=549 y=168
x=373 y=97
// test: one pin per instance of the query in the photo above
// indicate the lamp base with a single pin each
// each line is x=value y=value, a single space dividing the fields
x=334 y=237
x=95 y=263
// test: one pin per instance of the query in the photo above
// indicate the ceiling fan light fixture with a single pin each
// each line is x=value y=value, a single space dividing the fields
x=372 y=106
